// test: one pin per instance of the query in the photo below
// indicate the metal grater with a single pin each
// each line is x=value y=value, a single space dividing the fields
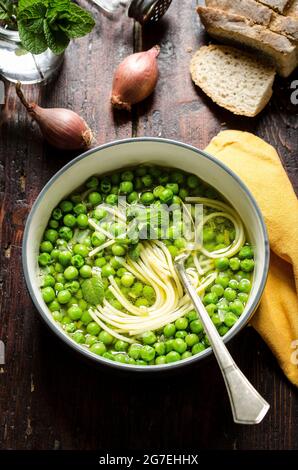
x=145 y=11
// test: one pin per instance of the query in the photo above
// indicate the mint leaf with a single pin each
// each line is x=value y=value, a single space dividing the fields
x=57 y=40
x=79 y=22
x=28 y=4
x=32 y=42
x=93 y=291
x=33 y=18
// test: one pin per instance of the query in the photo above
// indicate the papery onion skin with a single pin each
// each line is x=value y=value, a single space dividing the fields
x=62 y=128
x=135 y=79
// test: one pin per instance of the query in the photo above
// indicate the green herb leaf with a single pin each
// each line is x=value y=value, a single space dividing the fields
x=32 y=42
x=93 y=291
x=28 y=4
x=57 y=40
x=78 y=23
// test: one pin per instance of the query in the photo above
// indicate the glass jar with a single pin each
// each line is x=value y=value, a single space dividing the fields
x=142 y=11
x=16 y=64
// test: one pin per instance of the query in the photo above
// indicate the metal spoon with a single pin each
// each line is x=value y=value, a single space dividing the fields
x=248 y=407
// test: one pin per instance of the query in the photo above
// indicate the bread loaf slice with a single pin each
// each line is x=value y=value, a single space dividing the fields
x=251 y=9
x=292 y=10
x=233 y=79
x=286 y=25
x=278 y=5
x=237 y=29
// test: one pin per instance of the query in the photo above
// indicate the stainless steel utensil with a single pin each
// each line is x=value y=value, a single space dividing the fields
x=143 y=11
x=248 y=407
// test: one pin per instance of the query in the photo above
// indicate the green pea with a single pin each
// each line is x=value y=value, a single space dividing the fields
x=127 y=175
x=147 y=181
x=180 y=243
x=120 y=345
x=90 y=339
x=105 y=337
x=192 y=181
x=149 y=337
x=100 y=262
x=54 y=305
x=69 y=220
x=134 y=350
x=92 y=182
x=191 y=339
x=57 y=214
x=59 y=268
x=86 y=318
x=196 y=326
x=105 y=185
x=55 y=254
x=183 y=193
x=66 y=233
x=73 y=286
x=223 y=279
x=181 y=334
x=160 y=360
x=222 y=263
x=94 y=198
x=166 y=196
x=210 y=298
x=77 y=261
x=186 y=355
x=141 y=302
x=173 y=187
x=79 y=337
x=245 y=286
x=211 y=308
x=223 y=329
x=118 y=250
x=126 y=187
x=230 y=294
x=74 y=312
x=179 y=345
x=208 y=235
x=112 y=199
x=93 y=328
x=66 y=206
x=233 y=284
x=86 y=271
x=160 y=348
x=132 y=197
x=169 y=345
x=98 y=348
x=51 y=235
x=57 y=316
x=192 y=315
x=82 y=221
x=147 y=198
x=46 y=247
x=107 y=270
x=173 y=250
x=234 y=264
x=230 y=319
x=158 y=190
x=237 y=307
x=169 y=330
x=218 y=290
x=136 y=289
x=243 y=297
x=64 y=258
x=48 y=294
x=127 y=279
x=44 y=259
x=216 y=319
x=147 y=353
x=247 y=265
x=172 y=356
x=48 y=281
x=246 y=252
x=197 y=348
x=70 y=327
x=64 y=296
x=71 y=273
x=181 y=323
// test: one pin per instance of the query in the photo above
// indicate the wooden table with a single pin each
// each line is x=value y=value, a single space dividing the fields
x=49 y=398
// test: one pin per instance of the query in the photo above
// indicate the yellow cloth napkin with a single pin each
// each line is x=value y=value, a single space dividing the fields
x=258 y=165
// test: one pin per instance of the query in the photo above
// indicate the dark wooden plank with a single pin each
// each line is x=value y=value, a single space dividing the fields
x=49 y=398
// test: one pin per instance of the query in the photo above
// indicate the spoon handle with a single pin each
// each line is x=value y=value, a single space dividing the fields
x=248 y=407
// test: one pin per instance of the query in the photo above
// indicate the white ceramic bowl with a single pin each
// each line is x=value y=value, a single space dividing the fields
x=130 y=152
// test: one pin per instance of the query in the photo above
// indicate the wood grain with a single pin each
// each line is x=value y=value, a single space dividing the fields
x=49 y=398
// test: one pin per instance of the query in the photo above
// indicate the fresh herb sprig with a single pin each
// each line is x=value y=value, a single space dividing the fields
x=47 y=24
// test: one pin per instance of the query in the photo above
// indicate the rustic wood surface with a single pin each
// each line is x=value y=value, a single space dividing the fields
x=49 y=399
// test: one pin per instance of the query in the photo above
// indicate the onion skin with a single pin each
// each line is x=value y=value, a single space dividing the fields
x=62 y=128
x=135 y=78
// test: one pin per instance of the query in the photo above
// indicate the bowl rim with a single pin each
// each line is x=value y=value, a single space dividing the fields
x=239 y=325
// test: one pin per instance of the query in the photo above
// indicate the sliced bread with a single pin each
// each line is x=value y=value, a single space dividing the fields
x=251 y=9
x=286 y=25
x=237 y=29
x=233 y=79
x=292 y=10
x=278 y=5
